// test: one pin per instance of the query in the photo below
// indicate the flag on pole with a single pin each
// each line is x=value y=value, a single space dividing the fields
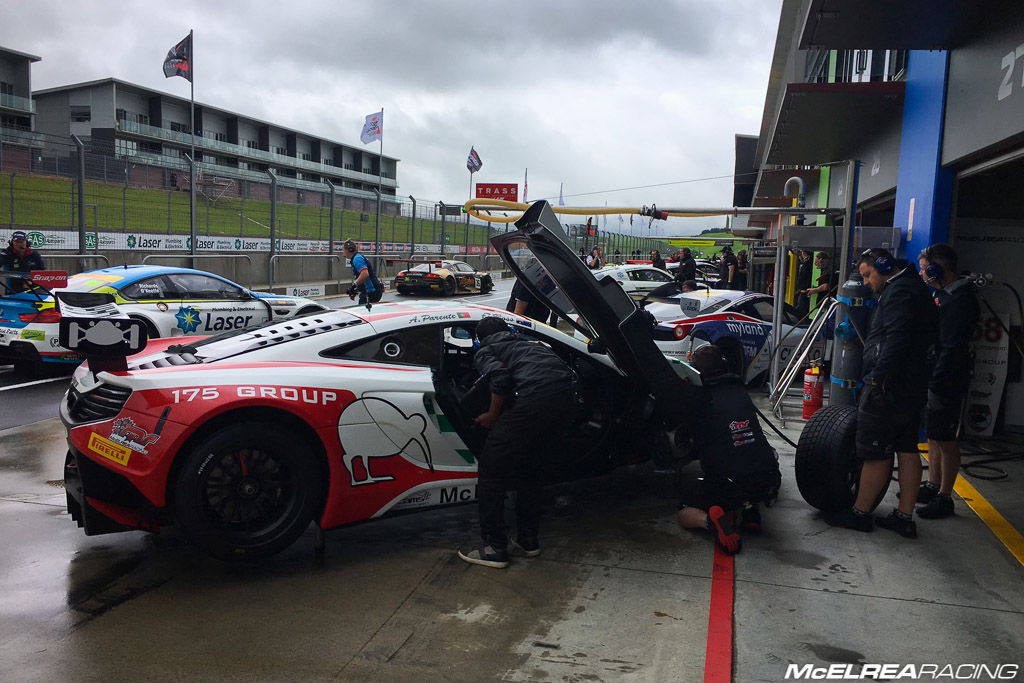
x=561 y=197
x=179 y=59
x=526 y=175
x=373 y=128
x=473 y=162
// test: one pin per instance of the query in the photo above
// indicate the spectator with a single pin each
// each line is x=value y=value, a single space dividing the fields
x=951 y=376
x=520 y=437
x=904 y=326
x=19 y=258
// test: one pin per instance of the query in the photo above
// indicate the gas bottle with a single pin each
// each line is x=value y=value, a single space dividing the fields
x=814 y=388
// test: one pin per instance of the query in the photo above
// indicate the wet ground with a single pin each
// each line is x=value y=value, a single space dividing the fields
x=619 y=593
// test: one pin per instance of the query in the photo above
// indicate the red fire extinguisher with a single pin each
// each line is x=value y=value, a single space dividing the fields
x=814 y=387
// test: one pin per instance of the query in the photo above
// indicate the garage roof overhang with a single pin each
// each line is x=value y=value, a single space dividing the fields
x=820 y=123
x=899 y=25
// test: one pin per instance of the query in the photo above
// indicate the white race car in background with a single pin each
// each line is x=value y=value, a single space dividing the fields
x=636 y=279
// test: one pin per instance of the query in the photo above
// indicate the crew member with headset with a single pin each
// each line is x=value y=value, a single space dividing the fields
x=19 y=258
x=687 y=269
x=957 y=301
x=530 y=400
x=365 y=282
x=896 y=376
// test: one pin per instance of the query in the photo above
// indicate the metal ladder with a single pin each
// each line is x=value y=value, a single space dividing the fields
x=796 y=362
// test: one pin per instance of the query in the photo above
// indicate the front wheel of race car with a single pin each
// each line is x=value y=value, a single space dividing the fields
x=449 y=286
x=247 y=491
x=827 y=468
x=486 y=284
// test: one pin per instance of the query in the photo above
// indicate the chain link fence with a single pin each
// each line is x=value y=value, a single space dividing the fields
x=149 y=193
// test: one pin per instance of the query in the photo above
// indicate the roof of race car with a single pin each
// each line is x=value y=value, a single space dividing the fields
x=121 y=276
x=714 y=299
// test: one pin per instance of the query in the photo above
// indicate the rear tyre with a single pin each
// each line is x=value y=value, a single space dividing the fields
x=827 y=467
x=151 y=331
x=449 y=286
x=247 y=491
x=486 y=285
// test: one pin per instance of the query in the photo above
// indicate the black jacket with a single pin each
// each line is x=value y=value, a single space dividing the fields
x=723 y=271
x=903 y=328
x=730 y=442
x=687 y=269
x=20 y=264
x=658 y=263
x=514 y=363
x=958 y=316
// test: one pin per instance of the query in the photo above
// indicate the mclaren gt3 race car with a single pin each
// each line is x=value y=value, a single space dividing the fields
x=169 y=301
x=444 y=276
x=243 y=438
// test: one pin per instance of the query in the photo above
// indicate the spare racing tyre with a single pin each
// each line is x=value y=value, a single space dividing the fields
x=247 y=491
x=827 y=467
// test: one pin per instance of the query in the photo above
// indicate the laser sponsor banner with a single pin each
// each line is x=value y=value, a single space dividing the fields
x=306 y=291
x=991 y=353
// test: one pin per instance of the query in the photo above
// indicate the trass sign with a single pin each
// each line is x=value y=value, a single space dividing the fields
x=507 y=191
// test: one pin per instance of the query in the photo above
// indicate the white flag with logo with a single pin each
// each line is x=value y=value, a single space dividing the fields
x=373 y=129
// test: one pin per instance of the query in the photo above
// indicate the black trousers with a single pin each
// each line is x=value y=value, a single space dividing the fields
x=524 y=438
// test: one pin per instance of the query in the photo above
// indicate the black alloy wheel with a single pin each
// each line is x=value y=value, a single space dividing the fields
x=449 y=286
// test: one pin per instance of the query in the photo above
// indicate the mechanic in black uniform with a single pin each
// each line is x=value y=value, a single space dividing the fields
x=727 y=269
x=896 y=373
x=804 y=269
x=531 y=397
x=656 y=260
x=828 y=278
x=687 y=269
x=19 y=258
x=740 y=468
x=522 y=302
x=951 y=376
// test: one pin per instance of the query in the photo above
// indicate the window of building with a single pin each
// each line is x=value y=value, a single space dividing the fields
x=81 y=113
x=306 y=156
x=179 y=127
x=6 y=88
x=221 y=137
x=126 y=148
x=252 y=144
x=281 y=150
x=121 y=115
x=329 y=162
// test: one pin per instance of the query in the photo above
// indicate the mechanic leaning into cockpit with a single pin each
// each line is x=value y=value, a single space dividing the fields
x=531 y=397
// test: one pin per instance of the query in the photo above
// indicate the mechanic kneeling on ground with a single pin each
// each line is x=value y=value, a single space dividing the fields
x=740 y=469
x=365 y=282
x=531 y=400
x=951 y=376
x=19 y=258
x=903 y=329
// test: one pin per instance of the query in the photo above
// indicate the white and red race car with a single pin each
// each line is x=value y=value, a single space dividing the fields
x=242 y=439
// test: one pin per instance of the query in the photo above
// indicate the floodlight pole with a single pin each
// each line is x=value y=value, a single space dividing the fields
x=81 y=194
x=330 y=229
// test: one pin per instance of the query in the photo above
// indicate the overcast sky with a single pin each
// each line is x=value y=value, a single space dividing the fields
x=596 y=94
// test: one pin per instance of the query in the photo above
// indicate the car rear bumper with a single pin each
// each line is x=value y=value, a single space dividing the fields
x=104 y=502
x=26 y=351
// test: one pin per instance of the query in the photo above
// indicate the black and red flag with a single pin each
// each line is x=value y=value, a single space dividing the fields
x=179 y=60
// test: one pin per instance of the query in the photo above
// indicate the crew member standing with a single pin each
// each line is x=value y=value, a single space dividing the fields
x=19 y=258
x=530 y=400
x=827 y=280
x=687 y=269
x=365 y=282
x=951 y=376
x=896 y=376
x=742 y=270
x=727 y=269
x=656 y=260
x=803 y=281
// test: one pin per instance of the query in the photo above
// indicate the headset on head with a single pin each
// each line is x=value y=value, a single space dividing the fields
x=933 y=272
x=882 y=263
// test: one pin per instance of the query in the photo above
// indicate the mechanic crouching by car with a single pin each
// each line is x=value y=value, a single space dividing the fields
x=19 y=258
x=365 y=282
x=741 y=469
x=531 y=400
x=903 y=329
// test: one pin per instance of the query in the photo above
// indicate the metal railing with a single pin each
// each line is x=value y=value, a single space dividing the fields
x=248 y=272
x=81 y=257
x=796 y=361
x=273 y=265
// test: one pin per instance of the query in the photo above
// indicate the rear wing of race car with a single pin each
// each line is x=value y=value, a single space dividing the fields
x=33 y=282
x=91 y=324
x=435 y=263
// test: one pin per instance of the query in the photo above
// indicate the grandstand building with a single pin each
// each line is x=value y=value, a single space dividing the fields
x=150 y=133
x=16 y=106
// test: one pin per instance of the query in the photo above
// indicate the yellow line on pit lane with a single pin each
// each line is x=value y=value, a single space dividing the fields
x=1003 y=530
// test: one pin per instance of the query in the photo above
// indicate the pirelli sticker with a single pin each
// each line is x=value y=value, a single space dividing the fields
x=108 y=449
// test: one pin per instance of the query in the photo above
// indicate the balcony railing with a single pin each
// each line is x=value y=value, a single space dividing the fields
x=249 y=152
x=21 y=137
x=24 y=104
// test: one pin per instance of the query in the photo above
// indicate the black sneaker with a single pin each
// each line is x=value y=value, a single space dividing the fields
x=485 y=556
x=927 y=493
x=907 y=528
x=938 y=507
x=528 y=544
x=848 y=519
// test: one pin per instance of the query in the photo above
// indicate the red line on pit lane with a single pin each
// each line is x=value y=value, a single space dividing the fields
x=718 y=655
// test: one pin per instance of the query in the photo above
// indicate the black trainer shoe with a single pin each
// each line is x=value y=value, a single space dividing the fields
x=927 y=493
x=750 y=519
x=485 y=556
x=848 y=519
x=528 y=544
x=907 y=528
x=938 y=507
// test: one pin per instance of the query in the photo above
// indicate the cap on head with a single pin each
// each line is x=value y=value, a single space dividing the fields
x=19 y=235
x=709 y=361
x=490 y=325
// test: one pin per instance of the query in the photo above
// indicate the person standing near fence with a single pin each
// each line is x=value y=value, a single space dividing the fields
x=19 y=258
x=365 y=282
